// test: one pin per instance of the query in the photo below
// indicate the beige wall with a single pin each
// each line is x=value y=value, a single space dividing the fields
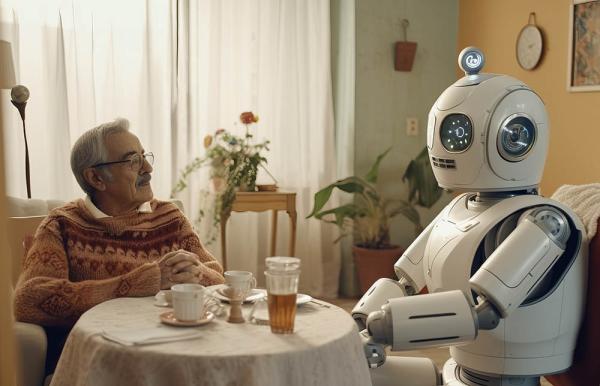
x=385 y=97
x=493 y=26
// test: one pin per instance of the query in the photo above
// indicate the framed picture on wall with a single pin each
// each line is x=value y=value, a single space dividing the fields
x=584 y=46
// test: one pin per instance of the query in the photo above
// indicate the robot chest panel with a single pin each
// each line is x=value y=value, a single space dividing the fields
x=449 y=256
x=456 y=243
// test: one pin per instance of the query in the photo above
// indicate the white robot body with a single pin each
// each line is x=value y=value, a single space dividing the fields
x=535 y=339
x=505 y=268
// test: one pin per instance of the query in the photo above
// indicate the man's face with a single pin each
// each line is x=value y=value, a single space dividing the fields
x=128 y=186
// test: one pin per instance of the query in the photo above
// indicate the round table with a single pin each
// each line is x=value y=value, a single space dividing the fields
x=325 y=349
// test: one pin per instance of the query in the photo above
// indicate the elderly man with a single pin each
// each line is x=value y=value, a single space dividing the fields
x=116 y=242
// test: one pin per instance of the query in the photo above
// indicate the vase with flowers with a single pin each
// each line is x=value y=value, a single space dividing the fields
x=233 y=163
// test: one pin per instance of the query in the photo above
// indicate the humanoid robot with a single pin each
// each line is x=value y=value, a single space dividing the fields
x=505 y=268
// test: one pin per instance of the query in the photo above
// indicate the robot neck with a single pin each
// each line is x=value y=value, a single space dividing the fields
x=482 y=200
x=497 y=196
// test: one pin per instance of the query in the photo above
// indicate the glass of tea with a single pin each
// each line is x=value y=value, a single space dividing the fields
x=282 y=276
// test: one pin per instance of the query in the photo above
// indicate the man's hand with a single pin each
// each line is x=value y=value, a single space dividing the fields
x=178 y=267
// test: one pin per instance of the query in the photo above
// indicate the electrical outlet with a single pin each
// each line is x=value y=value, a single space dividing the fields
x=412 y=126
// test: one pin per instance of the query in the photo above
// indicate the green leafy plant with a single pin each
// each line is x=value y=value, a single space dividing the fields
x=233 y=162
x=367 y=218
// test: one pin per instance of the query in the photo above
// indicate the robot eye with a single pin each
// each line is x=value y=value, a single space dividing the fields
x=516 y=137
x=456 y=133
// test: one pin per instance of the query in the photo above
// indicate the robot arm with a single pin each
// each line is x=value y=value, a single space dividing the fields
x=503 y=282
x=515 y=268
x=411 y=280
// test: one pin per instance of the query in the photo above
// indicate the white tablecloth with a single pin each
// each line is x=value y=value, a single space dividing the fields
x=325 y=349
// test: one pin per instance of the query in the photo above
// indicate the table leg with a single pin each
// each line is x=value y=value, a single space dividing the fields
x=292 y=215
x=224 y=241
x=273 y=232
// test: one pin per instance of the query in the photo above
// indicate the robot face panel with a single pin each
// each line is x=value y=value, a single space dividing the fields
x=456 y=133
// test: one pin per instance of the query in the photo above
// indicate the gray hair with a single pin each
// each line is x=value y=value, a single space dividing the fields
x=90 y=149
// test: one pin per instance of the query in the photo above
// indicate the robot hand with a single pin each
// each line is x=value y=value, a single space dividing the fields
x=374 y=351
x=379 y=293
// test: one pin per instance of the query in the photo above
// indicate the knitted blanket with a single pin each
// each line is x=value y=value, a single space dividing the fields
x=584 y=200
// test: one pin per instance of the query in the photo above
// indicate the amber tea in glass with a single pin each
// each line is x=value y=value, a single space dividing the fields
x=282 y=276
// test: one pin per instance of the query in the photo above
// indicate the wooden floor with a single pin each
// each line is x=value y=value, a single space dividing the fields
x=438 y=355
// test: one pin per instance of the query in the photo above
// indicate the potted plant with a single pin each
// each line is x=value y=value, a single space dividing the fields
x=368 y=216
x=233 y=162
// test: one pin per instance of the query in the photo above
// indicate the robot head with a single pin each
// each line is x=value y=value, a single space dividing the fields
x=487 y=132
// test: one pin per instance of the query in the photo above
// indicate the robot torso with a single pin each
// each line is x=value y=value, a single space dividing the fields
x=539 y=337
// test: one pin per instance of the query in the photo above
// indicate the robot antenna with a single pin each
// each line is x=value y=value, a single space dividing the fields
x=471 y=60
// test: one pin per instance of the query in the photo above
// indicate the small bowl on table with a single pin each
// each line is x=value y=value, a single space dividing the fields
x=266 y=187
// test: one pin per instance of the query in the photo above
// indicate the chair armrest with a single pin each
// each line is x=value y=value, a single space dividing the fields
x=31 y=353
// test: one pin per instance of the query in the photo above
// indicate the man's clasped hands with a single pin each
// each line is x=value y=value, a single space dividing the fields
x=179 y=266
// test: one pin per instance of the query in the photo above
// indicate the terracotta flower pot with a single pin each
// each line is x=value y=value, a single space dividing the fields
x=372 y=264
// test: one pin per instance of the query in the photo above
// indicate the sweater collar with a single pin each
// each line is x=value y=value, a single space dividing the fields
x=97 y=213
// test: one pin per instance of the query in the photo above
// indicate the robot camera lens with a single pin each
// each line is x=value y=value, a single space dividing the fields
x=516 y=138
x=456 y=133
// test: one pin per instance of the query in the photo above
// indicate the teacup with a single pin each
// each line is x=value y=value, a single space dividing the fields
x=164 y=298
x=239 y=284
x=191 y=301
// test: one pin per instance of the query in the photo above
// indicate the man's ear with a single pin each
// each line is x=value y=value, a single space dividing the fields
x=94 y=179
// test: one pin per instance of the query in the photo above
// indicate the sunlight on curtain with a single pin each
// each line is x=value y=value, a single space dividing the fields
x=273 y=58
x=86 y=62
x=178 y=70
x=344 y=71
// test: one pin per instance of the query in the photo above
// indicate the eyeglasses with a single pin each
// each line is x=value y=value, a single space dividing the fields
x=135 y=162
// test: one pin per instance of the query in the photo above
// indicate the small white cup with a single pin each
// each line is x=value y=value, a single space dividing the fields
x=239 y=283
x=191 y=301
x=163 y=298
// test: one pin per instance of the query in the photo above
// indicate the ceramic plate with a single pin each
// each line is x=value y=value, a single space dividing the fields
x=303 y=298
x=255 y=294
x=169 y=318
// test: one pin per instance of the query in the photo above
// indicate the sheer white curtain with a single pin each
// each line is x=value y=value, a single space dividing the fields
x=343 y=68
x=178 y=70
x=87 y=62
x=271 y=57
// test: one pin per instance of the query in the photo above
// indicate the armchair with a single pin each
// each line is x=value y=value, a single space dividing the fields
x=31 y=341
x=585 y=201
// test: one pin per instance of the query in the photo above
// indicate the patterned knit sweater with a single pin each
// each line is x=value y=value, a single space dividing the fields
x=77 y=261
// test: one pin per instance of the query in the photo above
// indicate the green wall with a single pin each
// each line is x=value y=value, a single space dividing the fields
x=385 y=97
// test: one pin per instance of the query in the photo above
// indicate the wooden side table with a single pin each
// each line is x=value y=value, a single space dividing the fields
x=260 y=202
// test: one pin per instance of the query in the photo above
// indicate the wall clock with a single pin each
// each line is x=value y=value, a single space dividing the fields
x=530 y=45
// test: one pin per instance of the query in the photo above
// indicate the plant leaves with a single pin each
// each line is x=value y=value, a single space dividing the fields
x=373 y=174
x=348 y=185
x=342 y=212
x=407 y=210
x=423 y=188
x=321 y=198
x=351 y=185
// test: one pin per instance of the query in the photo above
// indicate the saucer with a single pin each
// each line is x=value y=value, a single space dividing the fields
x=303 y=299
x=218 y=289
x=169 y=318
x=158 y=303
